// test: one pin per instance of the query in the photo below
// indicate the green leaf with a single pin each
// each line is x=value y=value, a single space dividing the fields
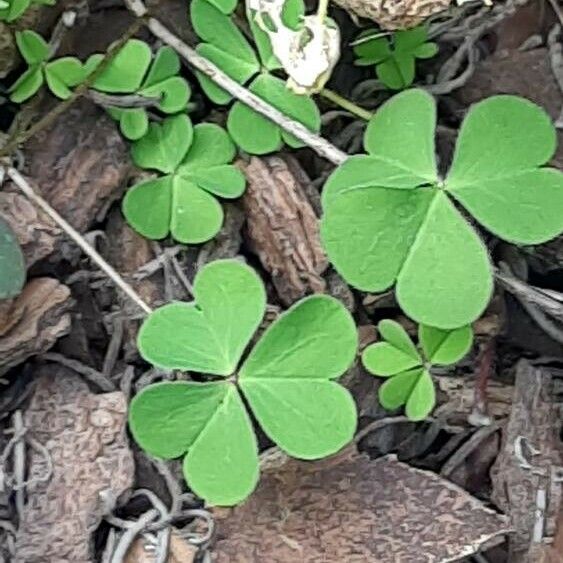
x=165 y=145
x=211 y=146
x=225 y=181
x=396 y=390
x=210 y=334
x=254 y=133
x=63 y=74
x=408 y=40
x=134 y=123
x=426 y=51
x=208 y=420
x=12 y=264
x=33 y=48
x=397 y=72
x=397 y=336
x=445 y=347
x=401 y=134
x=125 y=72
x=373 y=51
x=14 y=10
x=294 y=361
x=27 y=84
x=226 y=6
x=165 y=64
x=495 y=173
x=384 y=359
x=434 y=286
x=174 y=93
x=422 y=398
x=148 y=207
x=300 y=343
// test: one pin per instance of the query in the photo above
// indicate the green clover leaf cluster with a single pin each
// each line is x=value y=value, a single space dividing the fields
x=11 y=10
x=389 y=218
x=12 y=264
x=409 y=381
x=225 y=46
x=287 y=380
x=394 y=58
x=195 y=163
x=134 y=71
x=61 y=74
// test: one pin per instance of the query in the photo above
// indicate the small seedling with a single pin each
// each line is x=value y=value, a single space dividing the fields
x=196 y=165
x=394 y=57
x=408 y=369
x=12 y=264
x=61 y=74
x=286 y=380
x=131 y=72
x=11 y=10
x=226 y=46
x=389 y=217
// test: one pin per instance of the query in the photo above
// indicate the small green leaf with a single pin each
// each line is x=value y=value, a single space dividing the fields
x=165 y=145
x=211 y=146
x=174 y=93
x=408 y=40
x=426 y=51
x=63 y=74
x=125 y=72
x=134 y=123
x=373 y=51
x=495 y=173
x=12 y=264
x=422 y=398
x=27 y=84
x=165 y=64
x=33 y=48
x=445 y=347
x=397 y=72
x=401 y=133
x=14 y=10
x=396 y=390
x=256 y=134
x=226 y=6
x=384 y=359
x=397 y=336
x=210 y=334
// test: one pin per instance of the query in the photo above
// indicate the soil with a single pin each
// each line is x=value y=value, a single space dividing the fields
x=480 y=481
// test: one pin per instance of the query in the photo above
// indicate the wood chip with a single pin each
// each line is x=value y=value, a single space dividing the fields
x=31 y=323
x=282 y=228
x=37 y=233
x=80 y=163
x=353 y=509
x=527 y=472
x=85 y=437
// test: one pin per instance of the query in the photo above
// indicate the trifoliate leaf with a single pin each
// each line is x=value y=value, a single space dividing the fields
x=63 y=74
x=165 y=145
x=256 y=134
x=384 y=359
x=445 y=347
x=126 y=70
x=27 y=84
x=396 y=390
x=33 y=48
x=495 y=174
x=210 y=334
x=434 y=286
x=397 y=336
x=12 y=264
x=210 y=423
x=401 y=134
x=294 y=361
x=422 y=398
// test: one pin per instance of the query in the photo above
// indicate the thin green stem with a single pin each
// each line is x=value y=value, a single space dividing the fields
x=346 y=104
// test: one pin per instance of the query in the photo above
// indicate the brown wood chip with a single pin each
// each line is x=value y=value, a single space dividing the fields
x=351 y=509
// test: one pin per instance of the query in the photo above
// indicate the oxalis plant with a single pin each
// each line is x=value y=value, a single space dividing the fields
x=407 y=369
x=12 y=264
x=195 y=163
x=391 y=218
x=226 y=46
x=287 y=381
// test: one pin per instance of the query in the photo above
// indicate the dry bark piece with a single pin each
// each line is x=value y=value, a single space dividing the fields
x=36 y=232
x=32 y=322
x=85 y=437
x=282 y=228
x=80 y=163
x=179 y=551
x=394 y=14
x=350 y=508
x=525 y=474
